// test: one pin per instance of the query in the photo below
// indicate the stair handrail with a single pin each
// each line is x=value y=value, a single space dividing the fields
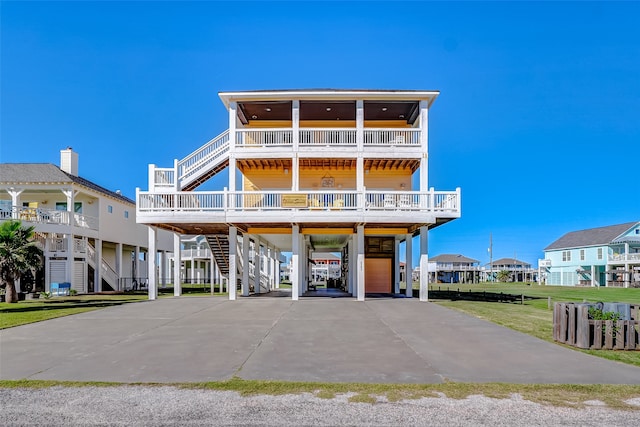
x=203 y=156
x=105 y=269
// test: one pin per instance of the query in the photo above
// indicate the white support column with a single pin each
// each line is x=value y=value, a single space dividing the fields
x=295 y=173
x=137 y=274
x=593 y=275
x=163 y=268
x=245 y=265
x=424 y=263
x=151 y=177
x=277 y=269
x=408 y=265
x=177 y=263
x=295 y=124
x=119 y=265
x=70 y=237
x=360 y=263
x=360 y=125
x=256 y=265
x=233 y=120
x=192 y=264
x=396 y=266
x=151 y=255
x=213 y=272
x=15 y=202
x=353 y=263
x=233 y=249
x=424 y=145
x=97 y=271
x=295 y=261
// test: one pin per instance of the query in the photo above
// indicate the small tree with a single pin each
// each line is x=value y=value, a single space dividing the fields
x=18 y=254
x=503 y=276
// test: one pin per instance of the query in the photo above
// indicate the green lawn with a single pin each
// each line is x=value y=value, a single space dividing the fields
x=534 y=317
x=24 y=312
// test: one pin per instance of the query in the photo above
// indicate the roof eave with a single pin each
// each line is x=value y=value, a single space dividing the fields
x=329 y=94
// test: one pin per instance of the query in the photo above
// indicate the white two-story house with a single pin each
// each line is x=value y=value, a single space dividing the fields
x=341 y=171
x=89 y=234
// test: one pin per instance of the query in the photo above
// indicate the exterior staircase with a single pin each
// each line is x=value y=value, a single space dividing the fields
x=107 y=273
x=219 y=245
x=203 y=163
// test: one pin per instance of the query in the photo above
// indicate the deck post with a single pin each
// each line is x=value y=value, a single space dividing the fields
x=360 y=273
x=408 y=265
x=232 y=283
x=294 y=274
x=424 y=263
x=177 y=263
x=396 y=266
x=245 y=265
x=256 y=265
x=151 y=255
x=97 y=271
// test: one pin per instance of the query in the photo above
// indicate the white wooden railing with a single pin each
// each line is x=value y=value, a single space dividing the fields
x=204 y=157
x=195 y=253
x=214 y=152
x=49 y=216
x=328 y=137
x=251 y=138
x=395 y=137
x=625 y=257
x=211 y=201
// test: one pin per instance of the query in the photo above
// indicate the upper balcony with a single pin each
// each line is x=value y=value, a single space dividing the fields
x=194 y=208
x=51 y=220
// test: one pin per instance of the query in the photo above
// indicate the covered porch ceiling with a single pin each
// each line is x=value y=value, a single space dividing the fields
x=260 y=111
x=328 y=164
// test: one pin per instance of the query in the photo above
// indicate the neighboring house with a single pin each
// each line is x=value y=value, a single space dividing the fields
x=456 y=268
x=198 y=264
x=519 y=271
x=89 y=234
x=603 y=256
x=325 y=266
x=343 y=171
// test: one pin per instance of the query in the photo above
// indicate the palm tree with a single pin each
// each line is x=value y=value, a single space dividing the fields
x=503 y=275
x=18 y=254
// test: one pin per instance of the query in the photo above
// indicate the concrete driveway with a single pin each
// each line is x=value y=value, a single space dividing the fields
x=336 y=340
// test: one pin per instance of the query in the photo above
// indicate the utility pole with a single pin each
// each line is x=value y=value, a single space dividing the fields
x=491 y=256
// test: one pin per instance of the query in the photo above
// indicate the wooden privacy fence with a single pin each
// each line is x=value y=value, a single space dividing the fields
x=572 y=326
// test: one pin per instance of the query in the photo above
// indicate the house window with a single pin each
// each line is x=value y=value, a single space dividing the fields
x=109 y=208
x=566 y=255
x=581 y=254
x=126 y=214
x=62 y=206
x=599 y=253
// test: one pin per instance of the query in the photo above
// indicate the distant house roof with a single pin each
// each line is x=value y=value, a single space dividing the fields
x=590 y=237
x=453 y=258
x=324 y=255
x=47 y=173
x=509 y=261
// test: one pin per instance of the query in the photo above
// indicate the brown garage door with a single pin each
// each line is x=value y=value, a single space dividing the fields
x=377 y=274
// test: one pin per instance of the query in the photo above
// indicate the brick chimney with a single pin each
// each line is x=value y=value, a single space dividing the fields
x=69 y=161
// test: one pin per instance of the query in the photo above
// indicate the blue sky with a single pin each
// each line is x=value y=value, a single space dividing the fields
x=537 y=120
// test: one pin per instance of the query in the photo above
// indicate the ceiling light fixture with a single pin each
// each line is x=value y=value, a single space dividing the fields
x=267 y=109
x=254 y=117
x=328 y=108
x=401 y=116
x=384 y=108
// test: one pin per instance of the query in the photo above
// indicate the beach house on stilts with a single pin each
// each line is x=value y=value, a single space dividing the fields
x=339 y=171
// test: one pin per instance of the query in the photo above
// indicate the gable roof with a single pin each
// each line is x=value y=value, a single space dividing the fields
x=452 y=258
x=509 y=261
x=47 y=173
x=590 y=237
